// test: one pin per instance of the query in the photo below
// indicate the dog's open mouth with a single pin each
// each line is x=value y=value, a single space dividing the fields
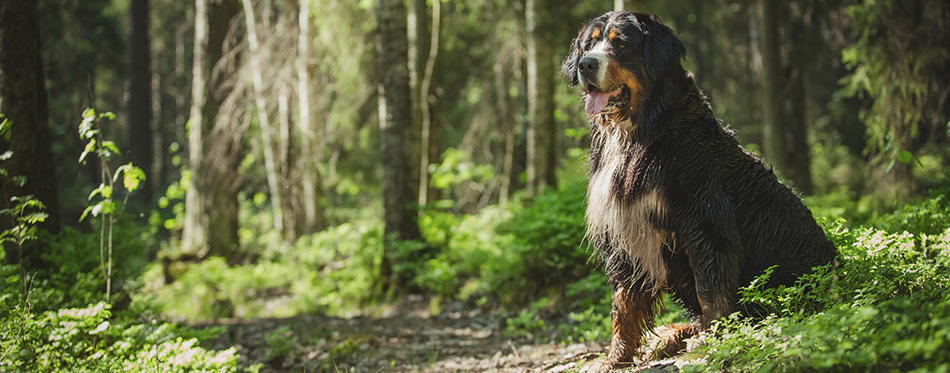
x=600 y=102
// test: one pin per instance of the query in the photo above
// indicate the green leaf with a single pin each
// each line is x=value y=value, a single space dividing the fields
x=133 y=176
x=105 y=207
x=89 y=148
x=111 y=146
x=36 y=217
x=104 y=190
x=905 y=157
x=108 y=207
x=5 y=127
x=85 y=127
x=85 y=212
x=19 y=180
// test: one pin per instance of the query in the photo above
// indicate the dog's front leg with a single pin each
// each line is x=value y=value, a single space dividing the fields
x=633 y=312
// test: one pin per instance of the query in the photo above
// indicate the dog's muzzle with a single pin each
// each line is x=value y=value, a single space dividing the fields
x=591 y=69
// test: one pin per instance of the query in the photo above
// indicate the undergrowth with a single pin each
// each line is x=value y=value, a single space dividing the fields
x=52 y=317
x=885 y=307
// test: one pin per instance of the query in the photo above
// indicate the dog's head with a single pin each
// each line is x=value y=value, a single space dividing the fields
x=616 y=58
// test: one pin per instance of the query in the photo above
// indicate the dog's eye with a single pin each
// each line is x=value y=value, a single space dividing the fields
x=621 y=45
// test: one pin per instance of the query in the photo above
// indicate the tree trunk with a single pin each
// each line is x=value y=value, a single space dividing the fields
x=287 y=159
x=507 y=118
x=270 y=162
x=400 y=218
x=23 y=102
x=419 y=38
x=430 y=144
x=541 y=160
x=626 y=5
x=797 y=150
x=773 y=130
x=314 y=219
x=211 y=208
x=140 y=99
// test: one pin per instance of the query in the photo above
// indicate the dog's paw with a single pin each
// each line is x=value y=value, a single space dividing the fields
x=603 y=366
x=672 y=339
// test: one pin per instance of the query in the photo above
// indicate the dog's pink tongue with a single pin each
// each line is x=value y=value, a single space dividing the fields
x=596 y=102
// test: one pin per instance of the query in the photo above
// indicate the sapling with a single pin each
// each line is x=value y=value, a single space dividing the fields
x=105 y=207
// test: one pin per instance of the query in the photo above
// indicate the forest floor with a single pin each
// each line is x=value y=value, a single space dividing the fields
x=405 y=339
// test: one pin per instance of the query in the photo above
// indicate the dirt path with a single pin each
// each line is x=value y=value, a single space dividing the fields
x=404 y=340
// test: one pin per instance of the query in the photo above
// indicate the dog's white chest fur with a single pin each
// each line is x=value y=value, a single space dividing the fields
x=625 y=223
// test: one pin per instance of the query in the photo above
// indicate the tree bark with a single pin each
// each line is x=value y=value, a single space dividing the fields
x=211 y=207
x=270 y=163
x=626 y=5
x=140 y=99
x=419 y=38
x=23 y=101
x=400 y=218
x=430 y=144
x=310 y=154
x=287 y=157
x=797 y=150
x=541 y=160
x=506 y=115
x=773 y=130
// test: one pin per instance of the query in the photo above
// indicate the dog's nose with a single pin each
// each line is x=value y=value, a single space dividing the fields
x=587 y=67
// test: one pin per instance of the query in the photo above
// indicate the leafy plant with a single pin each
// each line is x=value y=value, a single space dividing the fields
x=885 y=307
x=105 y=208
x=93 y=339
x=280 y=342
x=26 y=212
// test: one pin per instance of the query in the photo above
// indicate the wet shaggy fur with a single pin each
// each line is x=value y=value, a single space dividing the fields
x=675 y=204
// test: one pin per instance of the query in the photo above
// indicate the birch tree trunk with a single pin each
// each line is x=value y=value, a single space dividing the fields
x=270 y=163
x=429 y=149
x=631 y=5
x=310 y=153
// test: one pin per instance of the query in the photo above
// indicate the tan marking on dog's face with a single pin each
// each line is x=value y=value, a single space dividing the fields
x=616 y=77
x=613 y=34
x=595 y=34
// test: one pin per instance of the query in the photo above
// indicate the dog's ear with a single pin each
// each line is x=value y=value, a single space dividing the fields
x=569 y=66
x=661 y=48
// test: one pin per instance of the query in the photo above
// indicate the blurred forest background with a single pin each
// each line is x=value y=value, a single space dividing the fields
x=273 y=158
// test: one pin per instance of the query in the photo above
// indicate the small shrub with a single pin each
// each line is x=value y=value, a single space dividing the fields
x=280 y=342
x=885 y=307
x=334 y=271
x=92 y=339
x=547 y=237
x=931 y=216
x=528 y=323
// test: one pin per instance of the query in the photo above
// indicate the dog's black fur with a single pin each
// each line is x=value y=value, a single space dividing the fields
x=678 y=190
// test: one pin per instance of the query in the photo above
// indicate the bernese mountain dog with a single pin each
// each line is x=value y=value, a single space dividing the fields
x=674 y=203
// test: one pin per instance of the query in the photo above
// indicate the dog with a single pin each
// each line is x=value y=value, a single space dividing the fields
x=674 y=203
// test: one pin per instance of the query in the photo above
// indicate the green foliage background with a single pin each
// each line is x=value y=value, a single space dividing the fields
x=875 y=102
